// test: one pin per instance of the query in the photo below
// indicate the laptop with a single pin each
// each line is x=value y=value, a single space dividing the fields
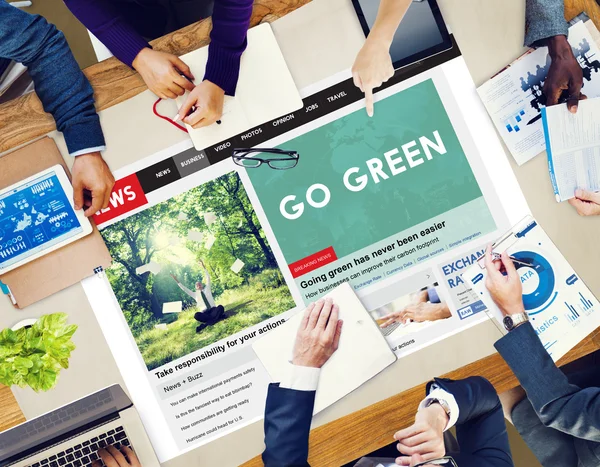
x=71 y=435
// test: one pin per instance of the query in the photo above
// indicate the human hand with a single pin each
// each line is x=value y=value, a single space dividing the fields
x=418 y=312
x=372 y=67
x=174 y=277
x=416 y=460
x=208 y=99
x=425 y=437
x=506 y=289
x=586 y=203
x=162 y=73
x=112 y=457
x=92 y=183
x=565 y=74
x=318 y=335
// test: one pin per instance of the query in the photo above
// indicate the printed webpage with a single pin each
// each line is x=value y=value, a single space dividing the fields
x=208 y=255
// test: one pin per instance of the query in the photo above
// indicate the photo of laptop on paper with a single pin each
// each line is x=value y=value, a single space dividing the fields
x=37 y=217
x=71 y=435
x=421 y=34
x=411 y=313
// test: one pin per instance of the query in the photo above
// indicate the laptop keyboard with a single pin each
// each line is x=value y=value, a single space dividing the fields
x=83 y=454
x=391 y=328
x=54 y=420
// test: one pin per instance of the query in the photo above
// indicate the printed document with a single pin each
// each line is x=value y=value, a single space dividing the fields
x=573 y=147
x=514 y=98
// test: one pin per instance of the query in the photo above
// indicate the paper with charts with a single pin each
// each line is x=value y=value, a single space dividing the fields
x=397 y=205
x=514 y=97
x=562 y=310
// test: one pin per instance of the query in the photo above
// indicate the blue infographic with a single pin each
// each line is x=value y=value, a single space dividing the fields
x=562 y=310
x=33 y=217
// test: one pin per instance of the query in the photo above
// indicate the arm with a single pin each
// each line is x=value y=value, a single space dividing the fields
x=289 y=408
x=160 y=71
x=288 y=414
x=231 y=19
x=546 y=26
x=373 y=64
x=186 y=290
x=206 y=277
x=559 y=405
x=477 y=412
x=66 y=94
x=544 y=19
x=61 y=86
x=104 y=21
x=480 y=429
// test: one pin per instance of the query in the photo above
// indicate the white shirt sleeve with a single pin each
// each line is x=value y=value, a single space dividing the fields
x=186 y=290
x=88 y=151
x=440 y=394
x=301 y=378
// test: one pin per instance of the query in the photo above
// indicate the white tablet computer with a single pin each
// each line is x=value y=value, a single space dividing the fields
x=37 y=217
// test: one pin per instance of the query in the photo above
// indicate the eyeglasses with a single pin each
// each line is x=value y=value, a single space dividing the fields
x=445 y=461
x=280 y=159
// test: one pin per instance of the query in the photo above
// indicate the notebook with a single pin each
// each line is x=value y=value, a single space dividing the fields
x=363 y=352
x=265 y=89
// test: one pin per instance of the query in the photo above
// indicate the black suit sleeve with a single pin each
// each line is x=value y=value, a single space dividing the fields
x=288 y=414
x=558 y=404
x=480 y=429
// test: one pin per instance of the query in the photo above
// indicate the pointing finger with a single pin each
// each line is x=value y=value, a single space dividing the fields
x=369 y=101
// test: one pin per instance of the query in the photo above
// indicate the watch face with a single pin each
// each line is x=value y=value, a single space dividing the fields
x=508 y=323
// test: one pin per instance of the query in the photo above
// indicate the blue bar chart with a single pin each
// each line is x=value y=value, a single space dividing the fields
x=587 y=305
x=572 y=315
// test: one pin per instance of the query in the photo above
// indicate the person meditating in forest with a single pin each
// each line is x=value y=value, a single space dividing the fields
x=204 y=301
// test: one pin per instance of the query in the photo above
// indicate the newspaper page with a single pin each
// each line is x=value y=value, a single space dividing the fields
x=210 y=255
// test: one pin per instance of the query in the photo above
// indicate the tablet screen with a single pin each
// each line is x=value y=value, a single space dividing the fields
x=33 y=217
x=421 y=33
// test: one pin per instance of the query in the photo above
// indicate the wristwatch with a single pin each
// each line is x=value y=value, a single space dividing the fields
x=442 y=402
x=513 y=321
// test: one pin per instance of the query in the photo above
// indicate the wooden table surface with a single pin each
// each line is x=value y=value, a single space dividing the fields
x=342 y=440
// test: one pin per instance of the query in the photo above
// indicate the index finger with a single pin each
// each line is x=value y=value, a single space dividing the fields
x=509 y=266
x=133 y=459
x=306 y=316
x=196 y=117
x=107 y=458
x=331 y=327
x=574 y=94
x=369 y=101
x=97 y=200
x=489 y=263
x=118 y=456
x=186 y=107
x=183 y=82
x=552 y=94
x=407 y=432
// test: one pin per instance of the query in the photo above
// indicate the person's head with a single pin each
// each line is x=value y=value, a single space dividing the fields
x=199 y=286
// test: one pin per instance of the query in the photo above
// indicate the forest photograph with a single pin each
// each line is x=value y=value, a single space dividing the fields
x=193 y=270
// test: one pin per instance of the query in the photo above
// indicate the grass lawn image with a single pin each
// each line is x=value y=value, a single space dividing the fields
x=206 y=243
x=244 y=307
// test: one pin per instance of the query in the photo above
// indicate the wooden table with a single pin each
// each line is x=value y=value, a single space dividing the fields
x=341 y=440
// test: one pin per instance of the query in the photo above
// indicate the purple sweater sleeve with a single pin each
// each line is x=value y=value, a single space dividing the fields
x=103 y=20
x=231 y=19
